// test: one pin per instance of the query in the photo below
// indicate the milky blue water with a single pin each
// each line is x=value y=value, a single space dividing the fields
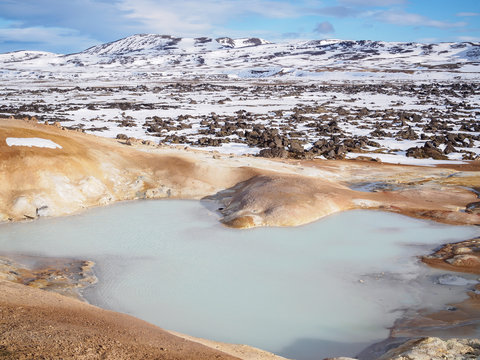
x=324 y=289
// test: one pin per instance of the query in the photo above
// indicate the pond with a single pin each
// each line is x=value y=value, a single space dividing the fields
x=329 y=288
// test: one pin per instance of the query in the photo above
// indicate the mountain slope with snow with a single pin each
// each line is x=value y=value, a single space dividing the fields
x=150 y=55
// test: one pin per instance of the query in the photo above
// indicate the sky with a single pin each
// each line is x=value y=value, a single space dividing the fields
x=66 y=26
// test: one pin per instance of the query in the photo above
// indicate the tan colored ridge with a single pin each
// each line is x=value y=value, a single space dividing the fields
x=90 y=171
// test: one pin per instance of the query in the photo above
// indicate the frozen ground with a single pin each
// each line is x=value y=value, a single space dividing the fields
x=328 y=99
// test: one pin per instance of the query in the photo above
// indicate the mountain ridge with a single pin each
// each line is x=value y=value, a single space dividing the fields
x=142 y=42
x=248 y=58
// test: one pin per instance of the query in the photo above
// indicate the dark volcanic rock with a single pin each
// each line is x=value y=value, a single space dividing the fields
x=273 y=153
x=426 y=152
x=407 y=134
x=296 y=147
x=449 y=149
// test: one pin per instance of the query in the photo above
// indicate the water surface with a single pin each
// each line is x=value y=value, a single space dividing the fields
x=325 y=289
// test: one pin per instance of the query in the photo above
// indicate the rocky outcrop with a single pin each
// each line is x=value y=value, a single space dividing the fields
x=463 y=256
x=427 y=151
x=431 y=348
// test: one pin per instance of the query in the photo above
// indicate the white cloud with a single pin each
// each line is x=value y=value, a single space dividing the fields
x=41 y=38
x=165 y=19
x=338 y=11
x=372 y=2
x=462 y=14
x=193 y=17
x=428 y=40
x=400 y=17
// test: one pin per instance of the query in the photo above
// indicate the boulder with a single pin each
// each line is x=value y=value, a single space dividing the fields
x=273 y=153
x=426 y=152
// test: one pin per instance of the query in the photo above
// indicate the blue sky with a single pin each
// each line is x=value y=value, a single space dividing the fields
x=66 y=26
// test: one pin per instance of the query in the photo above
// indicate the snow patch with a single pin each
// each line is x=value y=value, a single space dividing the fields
x=36 y=142
x=403 y=160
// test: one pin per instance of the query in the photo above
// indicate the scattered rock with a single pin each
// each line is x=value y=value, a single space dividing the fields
x=427 y=151
x=273 y=153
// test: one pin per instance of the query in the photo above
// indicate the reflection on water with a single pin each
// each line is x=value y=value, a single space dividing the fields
x=341 y=280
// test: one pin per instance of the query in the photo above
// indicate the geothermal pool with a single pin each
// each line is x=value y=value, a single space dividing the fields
x=329 y=288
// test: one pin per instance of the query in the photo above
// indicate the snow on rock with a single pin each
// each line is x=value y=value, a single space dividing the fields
x=35 y=142
x=238 y=43
x=403 y=160
x=17 y=56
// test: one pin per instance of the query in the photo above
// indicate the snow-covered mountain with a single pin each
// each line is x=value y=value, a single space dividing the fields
x=153 y=44
x=153 y=55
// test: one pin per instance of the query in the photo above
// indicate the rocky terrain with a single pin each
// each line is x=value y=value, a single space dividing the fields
x=434 y=121
x=332 y=99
